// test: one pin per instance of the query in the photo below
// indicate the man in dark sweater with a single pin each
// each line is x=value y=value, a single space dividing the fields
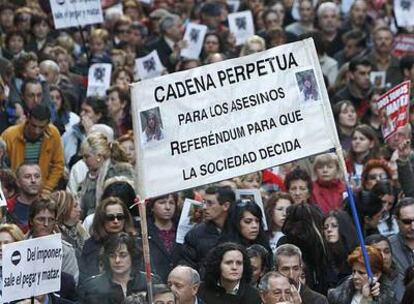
x=201 y=238
x=358 y=89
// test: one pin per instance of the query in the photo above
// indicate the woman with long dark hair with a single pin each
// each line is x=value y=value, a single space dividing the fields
x=382 y=243
x=246 y=225
x=340 y=237
x=304 y=228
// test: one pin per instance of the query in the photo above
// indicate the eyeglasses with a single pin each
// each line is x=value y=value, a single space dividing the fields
x=407 y=221
x=113 y=217
x=45 y=220
x=381 y=176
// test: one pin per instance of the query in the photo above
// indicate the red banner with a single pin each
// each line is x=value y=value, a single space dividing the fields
x=393 y=109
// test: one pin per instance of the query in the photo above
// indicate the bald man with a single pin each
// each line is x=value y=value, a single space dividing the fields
x=184 y=282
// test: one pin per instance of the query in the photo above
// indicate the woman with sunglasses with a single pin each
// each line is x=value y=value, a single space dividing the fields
x=111 y=218
x=120 y=277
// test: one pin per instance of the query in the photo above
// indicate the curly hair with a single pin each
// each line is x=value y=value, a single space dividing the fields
x=214 y=258
x=375 y=163
x=114 y=242
x=298 y=174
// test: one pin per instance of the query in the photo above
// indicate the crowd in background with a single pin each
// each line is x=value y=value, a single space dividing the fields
x=67 y=160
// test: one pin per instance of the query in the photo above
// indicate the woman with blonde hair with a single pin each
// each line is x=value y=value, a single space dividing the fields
x=104 y=160
x=9 y=233
x=328 y=188
x=68 y=220
x=253 y=44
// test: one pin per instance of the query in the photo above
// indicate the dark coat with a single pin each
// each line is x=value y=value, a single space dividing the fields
x=343 y=293
x=197 y=243
x=309 y=296
x=101 y=289
x=246 y=294
x=89 y=259
x=162 y=261
x=164 y=51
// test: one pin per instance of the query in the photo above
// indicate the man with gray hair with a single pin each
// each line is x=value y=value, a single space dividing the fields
x=169 y=45
x=288 y=261
x=184 y=282
x=328 y=14
x=275 y=288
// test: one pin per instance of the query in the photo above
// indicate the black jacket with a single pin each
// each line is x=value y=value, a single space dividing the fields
x=246 y=294
x=162 y=261
x=101 y=290
x=89 y=259
x=197 y=243
x=309 y=296
x=344 y=293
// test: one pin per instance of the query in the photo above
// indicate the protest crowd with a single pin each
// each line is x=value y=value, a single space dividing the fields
x=68 y=157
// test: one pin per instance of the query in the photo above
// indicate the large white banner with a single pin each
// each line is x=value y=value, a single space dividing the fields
x=75 y=13
x=230 y=118
x=31 y=267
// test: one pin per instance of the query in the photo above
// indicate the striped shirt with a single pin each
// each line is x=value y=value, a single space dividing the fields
x=32 y=151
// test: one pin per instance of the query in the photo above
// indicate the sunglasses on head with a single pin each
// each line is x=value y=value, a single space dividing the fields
x=113 y=217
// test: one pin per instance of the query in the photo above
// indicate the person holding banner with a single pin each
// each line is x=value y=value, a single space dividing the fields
x=228 y=275
x=357 y=288
x=120 y=277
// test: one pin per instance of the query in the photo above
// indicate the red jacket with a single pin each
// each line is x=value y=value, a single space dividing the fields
x=328 y=195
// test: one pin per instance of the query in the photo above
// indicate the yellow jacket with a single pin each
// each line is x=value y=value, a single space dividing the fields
x=51 y=161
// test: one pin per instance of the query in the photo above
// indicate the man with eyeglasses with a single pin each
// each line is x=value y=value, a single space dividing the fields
x=201 y=238
x=42 y=220
x=402 y=244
